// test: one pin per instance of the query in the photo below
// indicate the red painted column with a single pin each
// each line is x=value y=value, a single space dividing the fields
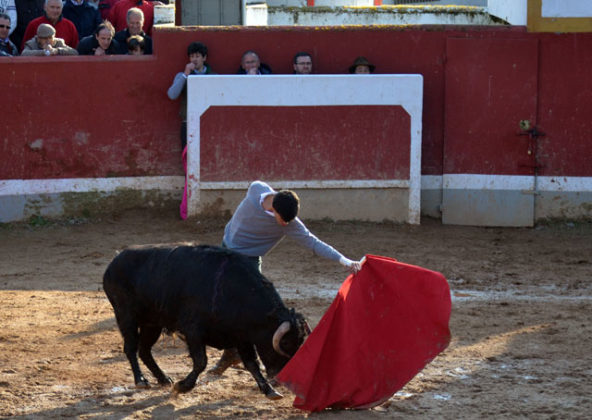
x=310 y=3
x=377 y=2
x=178 y=11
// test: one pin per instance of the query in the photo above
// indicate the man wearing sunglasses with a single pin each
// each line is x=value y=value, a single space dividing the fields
x=7 y=48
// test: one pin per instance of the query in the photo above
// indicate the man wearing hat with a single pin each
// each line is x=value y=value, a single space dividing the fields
x=361 y=66
x=46 y=44
x=65 y=28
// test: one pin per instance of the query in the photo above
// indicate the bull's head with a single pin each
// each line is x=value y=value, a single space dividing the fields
x=287 y=345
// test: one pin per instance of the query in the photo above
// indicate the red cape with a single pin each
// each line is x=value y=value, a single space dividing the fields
x=386 y=323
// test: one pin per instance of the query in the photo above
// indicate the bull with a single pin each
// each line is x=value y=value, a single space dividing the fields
x=209 y=296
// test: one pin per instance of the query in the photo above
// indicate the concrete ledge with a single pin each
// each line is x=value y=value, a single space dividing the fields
x=82 y=197
x=555 y=197
x=15 y=208
x=381 y=15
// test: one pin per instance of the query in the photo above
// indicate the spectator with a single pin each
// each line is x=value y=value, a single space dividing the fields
x=135 y=45
x=118 y=14
x=101 y=42
x=198 y=54
x=84 y=15
x=105 y=7
x=7 y=7
x=46 y=44
x=302 y=63
x=7 y=48
x=135 y=21
x=26 y=11
x=250 y=64
x=65 y=28
x=361 y=66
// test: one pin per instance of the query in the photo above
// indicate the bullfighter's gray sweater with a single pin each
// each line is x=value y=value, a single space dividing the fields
x=254 y=232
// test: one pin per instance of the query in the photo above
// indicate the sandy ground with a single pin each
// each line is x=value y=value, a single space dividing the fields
x=521 y=321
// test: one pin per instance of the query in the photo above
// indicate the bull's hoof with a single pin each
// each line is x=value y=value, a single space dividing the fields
x=181 y=387
x=272 y=394
x=217 y=370
x=166 y=381
x=142 y=384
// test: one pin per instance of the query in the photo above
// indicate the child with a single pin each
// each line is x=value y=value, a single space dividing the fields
x=135 y=45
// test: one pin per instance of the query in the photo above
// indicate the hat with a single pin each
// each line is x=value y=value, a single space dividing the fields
x=361 y=61
x=45 y=31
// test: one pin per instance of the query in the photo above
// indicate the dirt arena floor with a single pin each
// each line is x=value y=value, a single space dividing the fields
x=521 y=321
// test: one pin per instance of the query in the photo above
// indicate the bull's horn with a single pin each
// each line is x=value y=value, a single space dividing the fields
x=277 y=337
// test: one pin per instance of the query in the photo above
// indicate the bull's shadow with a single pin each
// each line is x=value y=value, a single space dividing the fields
x=95 y=328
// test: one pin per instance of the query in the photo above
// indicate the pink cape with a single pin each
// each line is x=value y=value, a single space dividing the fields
x=386 y=323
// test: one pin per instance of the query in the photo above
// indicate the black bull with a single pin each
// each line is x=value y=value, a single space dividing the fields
x=210 y=296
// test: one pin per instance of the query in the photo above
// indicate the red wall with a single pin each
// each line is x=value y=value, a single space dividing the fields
x=356 y=149
x=565 y=104
x=97 y=117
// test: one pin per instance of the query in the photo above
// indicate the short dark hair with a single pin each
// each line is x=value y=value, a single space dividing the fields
x=197 y=47
x=135 y=41
x=286 y=203
x=301 y=54
x=5 y=16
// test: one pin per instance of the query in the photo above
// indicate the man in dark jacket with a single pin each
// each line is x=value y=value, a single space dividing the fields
x=85 y=17
x=135 y=21
x=7 y=47
x=26 y=11
x=250 y=64
x=101 y=43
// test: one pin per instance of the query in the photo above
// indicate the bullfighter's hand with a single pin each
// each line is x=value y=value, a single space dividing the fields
x=353 y=266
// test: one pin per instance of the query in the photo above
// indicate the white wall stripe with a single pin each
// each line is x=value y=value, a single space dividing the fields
x=515 y=182
x=431 y=182
x=564 y=183
x=487 y=182
x=428 y=182
x=329 y=184
x=57 y=186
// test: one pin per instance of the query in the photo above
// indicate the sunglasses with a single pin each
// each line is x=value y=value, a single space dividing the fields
x=5 y=26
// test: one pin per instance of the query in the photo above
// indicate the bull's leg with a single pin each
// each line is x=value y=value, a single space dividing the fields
x=229 y=358
x=249 y=356
x=197 y=352
x=149 y=336
x=129 y=331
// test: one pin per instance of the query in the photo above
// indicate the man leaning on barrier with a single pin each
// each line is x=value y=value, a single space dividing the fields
x=46 y=44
